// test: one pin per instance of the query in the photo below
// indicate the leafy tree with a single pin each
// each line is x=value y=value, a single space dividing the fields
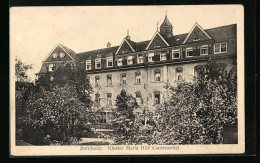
x=196 y=112
x=57 y=113
x=20 y=70
x=124 y=122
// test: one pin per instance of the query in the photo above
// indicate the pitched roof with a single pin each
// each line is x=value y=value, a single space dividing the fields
x=166 y=22
x=93 y=54
x=218 y=34
x=71 y=52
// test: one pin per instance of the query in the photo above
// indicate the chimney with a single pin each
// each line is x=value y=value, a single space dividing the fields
x=108 y=45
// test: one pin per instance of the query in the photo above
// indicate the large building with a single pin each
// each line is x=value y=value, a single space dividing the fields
x=143 y=68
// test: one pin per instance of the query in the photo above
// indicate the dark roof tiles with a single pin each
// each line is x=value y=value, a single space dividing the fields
x=222 y=33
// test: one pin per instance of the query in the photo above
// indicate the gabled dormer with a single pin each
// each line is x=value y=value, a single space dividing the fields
x=197 y=33
x=157 y=42
x=60 y=53
x=125 y=47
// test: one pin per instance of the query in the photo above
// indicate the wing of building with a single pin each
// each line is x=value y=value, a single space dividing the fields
x=143 y=68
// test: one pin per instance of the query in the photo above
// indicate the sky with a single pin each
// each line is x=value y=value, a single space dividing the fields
x=35 y=31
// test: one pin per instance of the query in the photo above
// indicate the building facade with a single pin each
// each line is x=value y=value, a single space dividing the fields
x=144 y=68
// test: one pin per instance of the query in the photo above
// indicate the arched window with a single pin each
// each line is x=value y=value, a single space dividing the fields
x=138 y=77
x=157 y=75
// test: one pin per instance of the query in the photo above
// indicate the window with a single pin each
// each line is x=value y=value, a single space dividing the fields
x=109 y=80
x=157 y=97
x=140 y=58
x=197 y=70
x=97 y=98
x=109 y=99
x=123 y=79
x=97 y=81
x=138 y=97
x=196 y=39
x=176 y=53
x=55 y=55
x=156 y=46
x=129 y=60
x=88 y=64
x=150 y=57
x=119 y=61
x=204 y=50
x=51 y=67
x=98 y=63
x=124 y=51
x=110 y=62
x=189 y=52
x=220 y=48
x=163 y=56
x=62 y=55
x=157 y=75
x=179 y=73
x=138 y=77
x=102 y=117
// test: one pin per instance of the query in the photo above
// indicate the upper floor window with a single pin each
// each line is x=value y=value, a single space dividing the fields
x=109 y=80
x=140 y=58
x=62 y=55
x=220 y=48
x=157 y=75
x=97 y=98
x=51 y=67
x=129 y=60
x=150 y=57
x=179 y=73
x=109 y=99
x=110 y=62
x=119 y=61
x=189 y=52
x=98 y=63
x=88 y=64
x=123 y=79
x=163 y=56
x=138 y=77
x=204 y=50
x=97 y=81
x=176 y=53
x=54 y=55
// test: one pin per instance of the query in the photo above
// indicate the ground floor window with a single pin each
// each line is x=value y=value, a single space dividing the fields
x=157 y=97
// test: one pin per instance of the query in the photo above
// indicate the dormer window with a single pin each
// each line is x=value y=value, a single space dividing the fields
x=55 y=55
x=129 y=60
x=88 y=64
x=175 y=53
x=140 y=59
x=204 y=50
x=119 y=61
x=98 y=63
x=196 y=39
x=189 y=52
x=62 y=55
x=163 y=56
x=150 y=57
x=220 y=48
x=110 y=62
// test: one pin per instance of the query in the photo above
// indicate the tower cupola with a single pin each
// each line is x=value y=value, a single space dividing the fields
x=166 y=28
